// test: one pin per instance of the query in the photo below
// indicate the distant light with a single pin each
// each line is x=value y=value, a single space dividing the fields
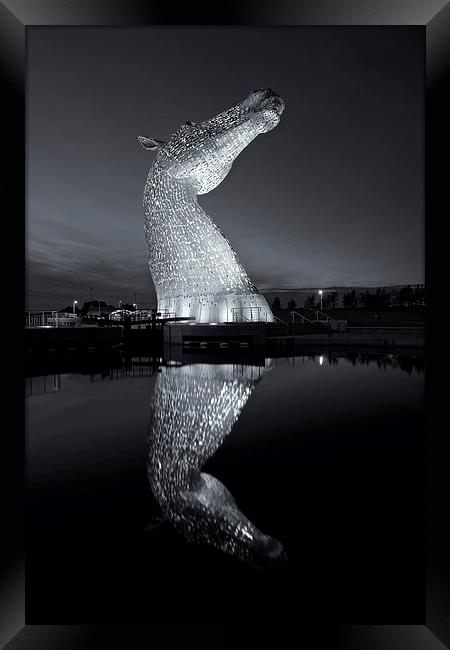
x=213 y=323
x=320 y=292
x=321 y=360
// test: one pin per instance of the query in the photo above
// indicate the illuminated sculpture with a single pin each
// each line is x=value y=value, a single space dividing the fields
x=194 y=407
x=195 y=271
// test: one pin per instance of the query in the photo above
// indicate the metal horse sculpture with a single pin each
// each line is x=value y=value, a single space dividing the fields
x=195 y=271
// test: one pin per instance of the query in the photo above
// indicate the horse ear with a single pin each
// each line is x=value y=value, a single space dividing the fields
x=150 y=143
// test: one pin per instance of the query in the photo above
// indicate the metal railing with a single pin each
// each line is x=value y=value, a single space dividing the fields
x=326 y=317
x=242 y=316
x=119 y=315
x=239 y=312
x=166 y=314
x=51 y=319
x=282 y=322
x=303 y=318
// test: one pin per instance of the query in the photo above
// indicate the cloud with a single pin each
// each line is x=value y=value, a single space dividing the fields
x=51 y=286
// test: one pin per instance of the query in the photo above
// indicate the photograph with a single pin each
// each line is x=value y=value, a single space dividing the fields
x=227 y=234
x=224 y=322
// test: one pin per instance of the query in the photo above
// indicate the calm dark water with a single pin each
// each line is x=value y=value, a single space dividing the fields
x=179 y=492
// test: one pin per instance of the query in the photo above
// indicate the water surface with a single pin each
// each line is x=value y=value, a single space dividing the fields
x=162 y=491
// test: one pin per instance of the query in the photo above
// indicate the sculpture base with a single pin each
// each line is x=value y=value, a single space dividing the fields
x=219 y=308
x=226 y=337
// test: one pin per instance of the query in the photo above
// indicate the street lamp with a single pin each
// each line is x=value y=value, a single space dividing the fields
x=320 y=294
x=75 y=303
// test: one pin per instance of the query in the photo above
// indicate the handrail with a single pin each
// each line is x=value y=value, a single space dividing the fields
x=301 y=316
x=281 y=321
x=240 y=310
x=242 y=316
x=322 y=314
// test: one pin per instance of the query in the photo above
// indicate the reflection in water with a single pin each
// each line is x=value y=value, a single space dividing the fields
x=194 y=408
x=54 y=376
x=405 y=362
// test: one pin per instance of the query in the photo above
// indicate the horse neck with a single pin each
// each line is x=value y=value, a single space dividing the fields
x=165 y=193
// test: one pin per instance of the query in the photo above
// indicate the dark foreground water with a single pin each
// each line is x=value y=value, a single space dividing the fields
x=204 y=491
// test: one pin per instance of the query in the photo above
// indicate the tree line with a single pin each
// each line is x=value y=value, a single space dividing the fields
x=382 y=298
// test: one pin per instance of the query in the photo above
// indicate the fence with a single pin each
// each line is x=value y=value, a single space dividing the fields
x=51 y=319
x=245 y=314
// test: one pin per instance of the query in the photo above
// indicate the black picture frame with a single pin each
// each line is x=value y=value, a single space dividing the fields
x=433 y=632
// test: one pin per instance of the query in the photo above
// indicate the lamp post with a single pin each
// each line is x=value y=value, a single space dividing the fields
x=75 y=303
x=320 y=294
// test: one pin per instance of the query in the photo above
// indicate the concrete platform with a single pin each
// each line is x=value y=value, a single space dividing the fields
x=258 y=335
x=209 y=334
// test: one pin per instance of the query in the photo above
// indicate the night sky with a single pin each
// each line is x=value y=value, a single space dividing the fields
x=332 y=196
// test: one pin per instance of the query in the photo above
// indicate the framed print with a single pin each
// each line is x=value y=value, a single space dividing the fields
x=233 y=324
